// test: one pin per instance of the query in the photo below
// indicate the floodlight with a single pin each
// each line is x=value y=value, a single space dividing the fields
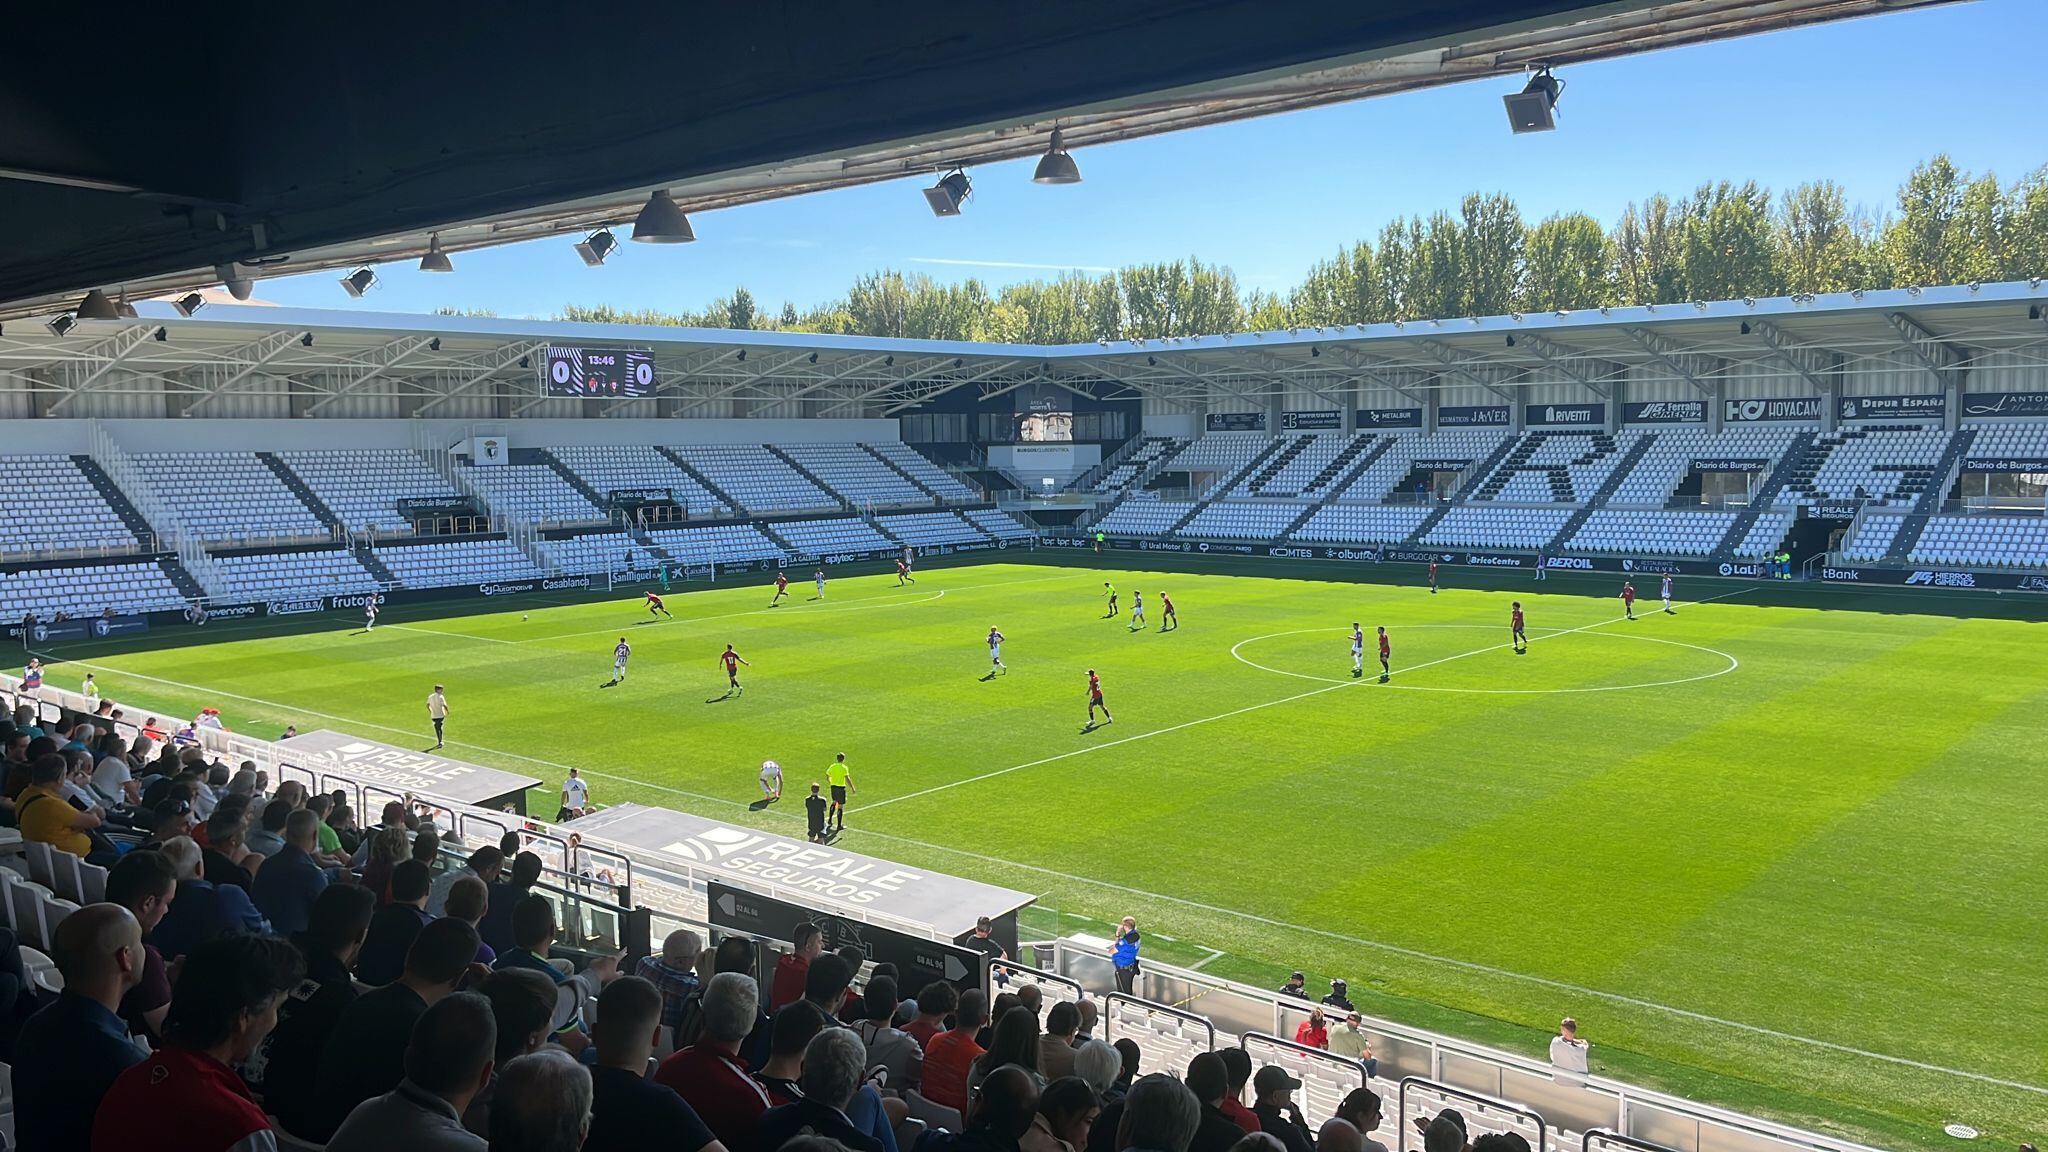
x=189 y=303
x=96 y=306
x=238 y=286
x=123 y=308
x=596 y=246
x=306 y=340
x=435 y=260
x=434 y=345
x=946 y=196
x=661 y=222
x=161 y=335
x=59 y=325
x=1534 y=108
x=359 y=281
x=1056 y=166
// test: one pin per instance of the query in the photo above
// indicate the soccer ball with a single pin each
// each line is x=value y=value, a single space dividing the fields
x=522 y=616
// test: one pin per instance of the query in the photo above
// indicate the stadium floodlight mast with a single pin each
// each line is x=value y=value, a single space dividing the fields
x=189 y=303
x=96 y=306
x=1056 y=166
x=946 y=196
x=435 y=260
x=359 y=281
x=662 y=222
x=1534 y=108
x=596 y=246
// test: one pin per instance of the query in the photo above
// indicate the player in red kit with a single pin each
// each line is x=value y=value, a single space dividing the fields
x=1628 y=598
x=732 y=661
x=903 y=575
x=1432 y=577
x=1095 y=700
x=1518 y=635
x=1386 y=655
x=781 y=589
x=654 y=605
x=1168 y=620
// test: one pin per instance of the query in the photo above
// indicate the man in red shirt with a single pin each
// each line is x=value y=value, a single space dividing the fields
x=1095 y=700
x=228 y=993
x=781 y=590
x=1628 y=598
x=1518 y=633
x=1386 y=654
x=1313 y=1032
x=795 y=966
x=710 y=1075
x=950 y=1054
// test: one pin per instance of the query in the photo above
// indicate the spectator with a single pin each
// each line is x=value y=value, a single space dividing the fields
x=1032 y=997
x=1363 y=1109
x=203 y=910
x=1124 y=956
x=1209 y=1079
x=1005 y=1116
x=1273 y=1102
x=1237 y=1064
x=1065 y=1111
x=70 y=1053
x=1339 y=1135
x=1339 y=997
x=145 y=883
x=533 y=934
x=393 y=821
x=467 y=902
x=733 y=954
x=1257 y=1142
x=1088 y=1016
x=674 y=974
x=447 y=1061
x=1567 y=1051
x=113 y=777
x=1446 y=1133
x=267 y=840
x=225 y=1003
x=547 y=1097
x=627 y=1109
x=789 y=1035
x=426 y=847
x=1160 y=1115
x=1313 y=1032
x=396 y=925
x=484 y=864
x=290 y=882
x=709 y=1075
x=1507 y=1142
x=44 y=816
x=1296 y=986
x=1003 y=1003
x=951 y=1054
x=290 y=1058
x=523 y=1005
x=170 y=817
x=505 y=896
x=795 y=965
x=1348 y=1041
x=1056 y=1047
x=1099 y=1064
x=1016 y=1042
x=1128 y=1049
x=826 y=982
x=388 y=848
x=833 y=1065
x=891 y=1049
x=937 y=1001
x=364 y=1054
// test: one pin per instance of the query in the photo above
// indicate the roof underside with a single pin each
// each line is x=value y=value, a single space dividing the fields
x=325 y=137
x=320 y=357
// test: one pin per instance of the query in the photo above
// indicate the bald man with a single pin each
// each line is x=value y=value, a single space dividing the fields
x=1339 y=1135
x=80 y=1042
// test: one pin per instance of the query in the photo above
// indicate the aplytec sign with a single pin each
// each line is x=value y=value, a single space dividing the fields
x=401 y=769
x=918 y=959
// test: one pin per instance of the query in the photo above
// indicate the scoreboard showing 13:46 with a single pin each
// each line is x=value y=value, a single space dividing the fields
x=599 y=372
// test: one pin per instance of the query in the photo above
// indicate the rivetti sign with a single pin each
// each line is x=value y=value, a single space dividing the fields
x=1565 y=415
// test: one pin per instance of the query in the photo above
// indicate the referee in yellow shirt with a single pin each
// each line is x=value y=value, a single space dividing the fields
x=840 y=777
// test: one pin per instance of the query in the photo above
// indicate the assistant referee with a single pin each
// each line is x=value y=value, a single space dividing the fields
x=840 y=777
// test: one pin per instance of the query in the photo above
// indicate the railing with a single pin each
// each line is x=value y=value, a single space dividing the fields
x=162 y=519
x=1484 y=1103
x=148 y=545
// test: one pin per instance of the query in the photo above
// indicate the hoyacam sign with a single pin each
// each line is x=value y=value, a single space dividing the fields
x=1473 y=415
x=1665 y=412
x=1754 y=411
x=1917 y=407
x=1569 y=415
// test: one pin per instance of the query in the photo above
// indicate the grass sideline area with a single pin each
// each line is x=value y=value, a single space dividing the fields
x=1757 y=847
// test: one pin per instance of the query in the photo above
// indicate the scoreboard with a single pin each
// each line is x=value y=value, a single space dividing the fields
x=599 y=372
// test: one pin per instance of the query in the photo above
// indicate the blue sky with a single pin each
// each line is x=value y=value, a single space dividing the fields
x=1858 y=102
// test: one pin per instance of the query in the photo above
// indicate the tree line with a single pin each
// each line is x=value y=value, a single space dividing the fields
x=1721 y=241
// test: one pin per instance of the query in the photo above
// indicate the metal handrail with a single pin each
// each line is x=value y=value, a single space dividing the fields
x=1542 y=1126
x=1609 y=1136
x=1155 y=1009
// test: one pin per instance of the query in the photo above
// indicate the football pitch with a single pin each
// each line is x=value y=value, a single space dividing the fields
x=1787 y=859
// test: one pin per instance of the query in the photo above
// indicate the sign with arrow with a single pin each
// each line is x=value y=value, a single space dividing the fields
x=918 y=961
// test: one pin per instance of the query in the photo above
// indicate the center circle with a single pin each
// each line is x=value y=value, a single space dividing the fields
x=1730 y=663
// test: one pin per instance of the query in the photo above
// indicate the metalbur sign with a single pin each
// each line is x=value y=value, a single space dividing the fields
x=1389 y=417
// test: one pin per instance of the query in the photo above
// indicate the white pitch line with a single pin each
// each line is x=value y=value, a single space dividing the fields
x=1002 y=863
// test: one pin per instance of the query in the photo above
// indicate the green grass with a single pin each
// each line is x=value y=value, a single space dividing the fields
x=1681 y=830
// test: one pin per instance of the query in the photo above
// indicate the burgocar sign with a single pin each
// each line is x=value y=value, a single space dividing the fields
x=1916 y=407
x=1567 y=415
x=1473 y=415
x=1665 y=412
x=1790 y=408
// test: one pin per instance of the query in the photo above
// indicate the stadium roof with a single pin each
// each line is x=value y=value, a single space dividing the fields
x=323 y=136
x=321 y=356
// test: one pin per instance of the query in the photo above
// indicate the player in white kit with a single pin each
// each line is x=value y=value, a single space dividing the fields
x=1667 y=597
x=1357 y=649
x=370 y=616
x=995 y=652
x=619 y=656
x=820 y=581
x=771 y=780
x=1137 y=612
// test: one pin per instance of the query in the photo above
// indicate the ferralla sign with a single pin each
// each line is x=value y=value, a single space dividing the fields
x=1665 y=412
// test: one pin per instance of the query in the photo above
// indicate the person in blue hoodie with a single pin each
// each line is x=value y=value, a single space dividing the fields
x=1125 y=955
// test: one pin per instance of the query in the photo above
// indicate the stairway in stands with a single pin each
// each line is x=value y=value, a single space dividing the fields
x=175 y=572
x=569 y=477
x=1295 y=446
x=306 y=495
x=830 y=492
x=724 y=497
x=1944 y=471
x=1356 y=458
x=1605 y=492
x=118 y=501
x=1793 y=462
x=892 y=466
x=1485 y=468
x=368 y=559
x=1225 y=484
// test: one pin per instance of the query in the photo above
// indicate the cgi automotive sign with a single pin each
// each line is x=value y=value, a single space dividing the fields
x=1755 y=411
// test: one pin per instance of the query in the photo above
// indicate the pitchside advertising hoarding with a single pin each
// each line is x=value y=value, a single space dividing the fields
x=1784 y=408
x=919 y=961
x=90 y=628
x=1565 y=415
x=1389 y=418
x=1474 y=416
x=2005 y=405
x=1312 y=420
x=1665 y=412
x=1235 y=422
x=1929 y=406
x=2005 y=464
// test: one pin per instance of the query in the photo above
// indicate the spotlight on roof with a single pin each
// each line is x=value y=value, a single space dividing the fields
x=96 y=306
x=161 y=335
x=238 y=286
x=814 y=357
x=435 y=260
x=888 y=361
x=526 y=361
x=123 y=308
x=1534 y=108
x=189 y=303
x=434 y=345
x=596 y=246
x=1056 y=167
x=1314 y=351
x=359 y=281
x=661 y=222
x=742 y=357
x=59 y=325
x=306 y=340
x=946 y=196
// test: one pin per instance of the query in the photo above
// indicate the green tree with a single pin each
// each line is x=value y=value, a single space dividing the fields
x=739 y=310
x=1727 y=242
x=1492 y=236
x=1565 y=265
x=1643 y=251
x=2027 y=207
x=1826 y=247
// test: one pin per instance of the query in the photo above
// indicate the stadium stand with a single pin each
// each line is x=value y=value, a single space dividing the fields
x=753 y=475
x=1379 y=480
x=531 y=493
x=716 y=543
x=1554 y=467
x=363 y=486
x=1765 y=535
x=1886 y=464
x=999 y=524
x=1362 y=524
x=1673 y=533
x=265 y=575
x=1518 y=528
x=1243 y=520
x=913 y=464
x=1293 y=470
x=228 y=496
x=48 y=504
x=1220 y=452
x=1988 y=540
x=1144 y=517
x=89 y=589
x=613 y=467
x=831 y=535
x=1149 y=450
x=457 y=562
x=1667 y=461
x=856 y=475
x=921 y=528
